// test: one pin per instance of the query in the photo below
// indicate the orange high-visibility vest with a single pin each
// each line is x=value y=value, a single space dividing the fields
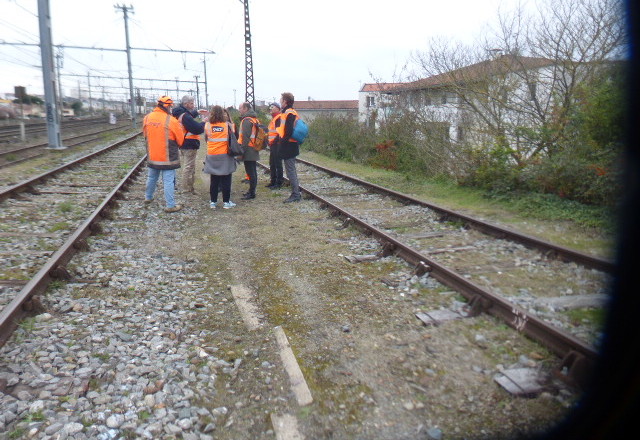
x=254 y=129
x=283 y=120
x=187 y=134
x=163 y=134
x=273 y=133
x=217 y=137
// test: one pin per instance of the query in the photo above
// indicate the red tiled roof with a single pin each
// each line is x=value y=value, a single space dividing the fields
x=326 y=105
x=483 y=69
x=379 y=87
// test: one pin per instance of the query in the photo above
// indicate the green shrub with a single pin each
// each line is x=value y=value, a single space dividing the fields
x=341 y=138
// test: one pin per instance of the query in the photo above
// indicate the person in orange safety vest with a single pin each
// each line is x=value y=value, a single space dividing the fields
x=164 y=136
x=218 y=163
x=275 y=163
x=288 y=148
x=247 y=138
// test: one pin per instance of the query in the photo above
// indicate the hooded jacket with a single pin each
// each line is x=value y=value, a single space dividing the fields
x=191 y=125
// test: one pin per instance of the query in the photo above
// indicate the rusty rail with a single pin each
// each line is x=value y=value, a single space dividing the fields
x=54 y=268
x=578 y=357
x=27 y=185
x=549 y=249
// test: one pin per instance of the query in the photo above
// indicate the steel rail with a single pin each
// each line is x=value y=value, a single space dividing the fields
x=578 y=357
x=54 y=268
x=547 y=248
x=7 y=131
x=28 y=184
x=45 y=144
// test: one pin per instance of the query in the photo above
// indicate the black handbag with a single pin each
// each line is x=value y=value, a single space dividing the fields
x=234 y=148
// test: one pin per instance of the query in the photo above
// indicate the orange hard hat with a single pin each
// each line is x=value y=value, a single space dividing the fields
x=165 y=100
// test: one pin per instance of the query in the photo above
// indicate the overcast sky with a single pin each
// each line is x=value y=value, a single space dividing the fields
x=323 y=50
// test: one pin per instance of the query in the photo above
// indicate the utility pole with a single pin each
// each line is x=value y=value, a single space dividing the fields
x=89 y=83
x=125 y=11
x=197 y=92
x=46 y=52
x=59 y=64
x=206 y=92
x=248 y=59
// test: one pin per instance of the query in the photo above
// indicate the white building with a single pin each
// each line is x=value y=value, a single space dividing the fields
x=496 y=95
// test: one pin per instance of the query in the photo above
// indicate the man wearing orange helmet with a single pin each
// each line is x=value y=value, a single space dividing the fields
x=164 y=136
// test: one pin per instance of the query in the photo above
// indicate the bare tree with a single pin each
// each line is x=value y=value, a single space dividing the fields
x=516 y=87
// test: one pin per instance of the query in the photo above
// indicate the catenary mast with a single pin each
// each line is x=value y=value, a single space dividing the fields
x=249 y=95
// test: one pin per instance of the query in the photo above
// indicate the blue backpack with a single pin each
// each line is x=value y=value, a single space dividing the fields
x=300 y=131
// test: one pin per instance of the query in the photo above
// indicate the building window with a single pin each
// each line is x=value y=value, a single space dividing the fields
x=371 y=101
x=532 y=91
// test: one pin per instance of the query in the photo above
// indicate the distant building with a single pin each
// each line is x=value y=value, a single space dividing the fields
x=375 y=101
x=309 y=110
x=505 y=81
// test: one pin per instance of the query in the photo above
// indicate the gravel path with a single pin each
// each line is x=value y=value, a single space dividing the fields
x=147 y=341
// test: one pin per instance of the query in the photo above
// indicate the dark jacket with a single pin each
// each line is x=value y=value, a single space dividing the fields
x=246 y=127
x=192 y=126
x=288 y=149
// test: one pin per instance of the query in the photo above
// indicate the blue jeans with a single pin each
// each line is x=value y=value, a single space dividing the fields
x=168 y=185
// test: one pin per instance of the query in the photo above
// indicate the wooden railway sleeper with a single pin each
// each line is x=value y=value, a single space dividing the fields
x=388 y=249
x=575 y=369
x=346 y=223
x=34 y=305
x=422 y=268
x=81 y=245
x=32 y=190
x=477 y=305
x=107 y=213
x=60 y=273
x=96 y=228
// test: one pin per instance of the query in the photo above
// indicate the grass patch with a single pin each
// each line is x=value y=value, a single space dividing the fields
x=104 y=357
x=35 y=417
x=579 y=316
x=589 y=229
x=59 y=226
x=17 y=433
x=65 y=207
x=144 y=415
x=28 y=325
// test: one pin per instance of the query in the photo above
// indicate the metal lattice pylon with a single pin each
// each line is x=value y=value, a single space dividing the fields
x=249 y=95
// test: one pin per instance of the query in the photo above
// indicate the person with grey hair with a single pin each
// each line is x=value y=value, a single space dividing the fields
x=186 y=114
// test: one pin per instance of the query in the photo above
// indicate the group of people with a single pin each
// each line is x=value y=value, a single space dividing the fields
x=173 y=138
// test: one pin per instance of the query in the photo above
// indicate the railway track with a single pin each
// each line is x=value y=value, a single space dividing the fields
x=534 y=286
x=46 y=218
x=30 y=231
x=14 y=155
x=11 y=133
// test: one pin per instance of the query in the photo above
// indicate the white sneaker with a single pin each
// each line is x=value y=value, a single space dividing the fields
x=213 y=205
x=228 y=205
